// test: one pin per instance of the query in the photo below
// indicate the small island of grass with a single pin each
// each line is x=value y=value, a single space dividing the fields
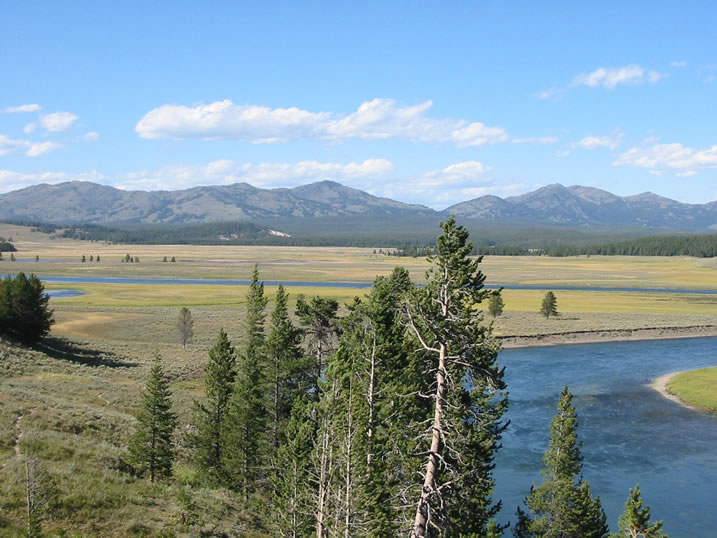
x=696 y=388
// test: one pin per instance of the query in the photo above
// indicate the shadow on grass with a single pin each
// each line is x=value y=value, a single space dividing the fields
x=62 y=349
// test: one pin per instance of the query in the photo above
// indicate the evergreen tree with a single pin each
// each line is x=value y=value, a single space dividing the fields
x=495 y=304
x=151 y=448
x=635 y=520
x=549 y=307
x=210 y=418
x=24 y=310
x=291 y=512
x=247 y=420
x=319 y=320
x=185 y=326
x=287 y=367
x=562 y=506
x=464 y=384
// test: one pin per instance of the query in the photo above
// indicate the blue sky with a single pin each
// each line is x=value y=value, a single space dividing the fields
x=421 y=102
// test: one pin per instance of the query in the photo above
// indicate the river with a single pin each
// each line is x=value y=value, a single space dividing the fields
x=631 y=434
x=307 y=283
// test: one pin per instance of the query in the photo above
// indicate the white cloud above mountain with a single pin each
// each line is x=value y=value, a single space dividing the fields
x=377 y=119
x=660 y=158
x=265 y=174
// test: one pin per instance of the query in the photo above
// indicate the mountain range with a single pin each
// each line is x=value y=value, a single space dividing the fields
x=553 y=205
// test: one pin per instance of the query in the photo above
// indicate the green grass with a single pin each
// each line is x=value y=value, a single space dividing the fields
x=696 y=387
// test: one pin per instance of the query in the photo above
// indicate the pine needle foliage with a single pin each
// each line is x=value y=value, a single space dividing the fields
x=151 y=449
x=464 y=385
x=210 y=417
x=549 y=306
x=635 y=520
x=562 y=506
x=246 y=434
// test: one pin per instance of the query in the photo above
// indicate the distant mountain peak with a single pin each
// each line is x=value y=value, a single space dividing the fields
x=80 y=202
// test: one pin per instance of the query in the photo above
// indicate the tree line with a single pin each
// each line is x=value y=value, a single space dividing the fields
x=382 y=422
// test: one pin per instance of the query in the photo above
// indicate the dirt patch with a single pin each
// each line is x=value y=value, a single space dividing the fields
x=88 y=324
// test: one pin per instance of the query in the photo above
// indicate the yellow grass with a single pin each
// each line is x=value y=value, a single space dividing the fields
x=111 y=295
x=62 y=257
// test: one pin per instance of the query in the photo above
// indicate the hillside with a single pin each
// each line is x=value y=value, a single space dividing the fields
x=314 y=206
x=588 y=206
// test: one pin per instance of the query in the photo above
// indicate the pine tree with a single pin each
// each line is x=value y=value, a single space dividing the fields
x=210 y=418
x=247 y=419
x=287 y=367
x=185 y=326
x=495 y=304
x=24 y=310
x=635 y=520
x=151 y=448
x=464 y=384
x=549 y=307
x=319 y=319
x=562 y=506
x=369 y=411
x=291 y=507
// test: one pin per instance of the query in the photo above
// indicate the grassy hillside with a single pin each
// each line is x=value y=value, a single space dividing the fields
x=71 y=407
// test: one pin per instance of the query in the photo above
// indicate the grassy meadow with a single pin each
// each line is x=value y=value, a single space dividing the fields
x=70 y=401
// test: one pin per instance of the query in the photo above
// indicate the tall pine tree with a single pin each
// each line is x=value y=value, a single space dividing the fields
x=562 y=506
x=210 y=418
x=246 y=433
x=319 y=320
x=464 y=385
x=151 y=448
x=287 y=367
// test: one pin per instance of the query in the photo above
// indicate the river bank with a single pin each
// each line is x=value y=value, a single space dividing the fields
x=613 y=335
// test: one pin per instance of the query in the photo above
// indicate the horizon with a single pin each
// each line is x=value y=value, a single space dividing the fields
x=424 y=106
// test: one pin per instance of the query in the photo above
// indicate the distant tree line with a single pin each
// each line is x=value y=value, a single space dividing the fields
x=24 y=311
x=696 y=245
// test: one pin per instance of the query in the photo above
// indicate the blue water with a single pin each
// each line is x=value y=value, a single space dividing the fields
x=61 y=294
x=302 y=283
x=631 y=434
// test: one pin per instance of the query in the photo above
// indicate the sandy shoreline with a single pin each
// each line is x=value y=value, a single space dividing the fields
x=616 y=335
x=660 y=385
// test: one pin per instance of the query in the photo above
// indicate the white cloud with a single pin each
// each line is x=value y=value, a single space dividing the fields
x=658 y=158
x=10 y=180
x=680 y=63
x=40 y=148
x=225 y=172
x=611 y=141
x=536 y=140
x=611 y=78
x=10 y=145
x=447 y=186
x=21 y=108
x=30 y=128
x=376 y=119
x=58 y=121
x=90 y=137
